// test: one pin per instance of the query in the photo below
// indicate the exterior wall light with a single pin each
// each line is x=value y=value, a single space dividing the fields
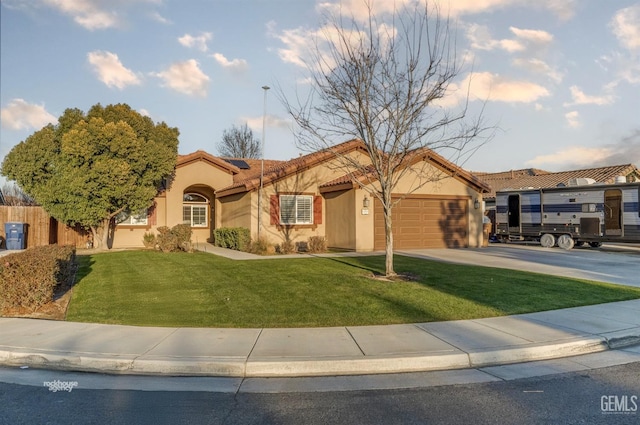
x=476 y=204
x=365 y=202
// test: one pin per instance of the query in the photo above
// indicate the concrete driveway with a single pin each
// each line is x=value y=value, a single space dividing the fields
x=612 y=263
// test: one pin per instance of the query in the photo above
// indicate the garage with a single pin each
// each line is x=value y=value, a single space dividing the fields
x=425 y=221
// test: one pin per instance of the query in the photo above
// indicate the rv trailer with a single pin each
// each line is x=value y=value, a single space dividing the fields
x=570 y=215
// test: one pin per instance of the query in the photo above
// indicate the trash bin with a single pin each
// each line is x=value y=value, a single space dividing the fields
x=16 y=235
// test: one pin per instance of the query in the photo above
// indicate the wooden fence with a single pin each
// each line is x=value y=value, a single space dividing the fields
x=41 y=228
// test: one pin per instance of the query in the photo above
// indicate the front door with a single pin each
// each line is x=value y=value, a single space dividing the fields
x=514 y=214
x=613 y=212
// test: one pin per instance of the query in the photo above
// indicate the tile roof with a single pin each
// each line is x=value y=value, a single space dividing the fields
x=280 y=169
x=420 y=154
x=201 y=155
x=518 y=179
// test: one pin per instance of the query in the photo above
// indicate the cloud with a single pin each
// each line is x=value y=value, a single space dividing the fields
x=571 y=157
x=573 y=119
x=144 y=113
x=625 y=24
x=238 y=65
x=92 y=14
x=493 y=87
x=87 y=13
x=156 y=16
x=110 y=70
x=562 y=9
x=532 y=36
x=198 y=42
x=297 y=43
x=538 y=66
x=626 y=150
x=20 y=115
x=480 y=38
x=185 y=77
x=580 y=98
x=255 y=123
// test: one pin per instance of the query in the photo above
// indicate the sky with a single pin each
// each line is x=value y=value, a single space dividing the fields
x=559 y=79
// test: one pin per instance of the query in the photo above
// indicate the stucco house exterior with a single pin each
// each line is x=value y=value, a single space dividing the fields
x=312 y=195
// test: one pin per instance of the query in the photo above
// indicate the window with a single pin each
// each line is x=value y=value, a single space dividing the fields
x=588 y=208
x=296 y=209
x=195 y=210
x=125 y=218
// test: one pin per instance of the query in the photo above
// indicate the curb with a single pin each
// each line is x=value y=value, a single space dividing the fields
x=246 y=368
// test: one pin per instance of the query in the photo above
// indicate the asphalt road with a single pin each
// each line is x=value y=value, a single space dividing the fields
x=601 y=396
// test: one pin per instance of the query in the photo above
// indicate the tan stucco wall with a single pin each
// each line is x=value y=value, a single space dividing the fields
x=199 y=177
x=235 y=210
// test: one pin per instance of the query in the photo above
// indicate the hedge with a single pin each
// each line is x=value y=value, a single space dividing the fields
x=237 y=238
x=29 y=278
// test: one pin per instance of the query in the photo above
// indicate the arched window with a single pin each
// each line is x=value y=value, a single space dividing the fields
x=195 y=210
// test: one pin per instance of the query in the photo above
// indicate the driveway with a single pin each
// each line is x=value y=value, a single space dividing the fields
x=612 y=263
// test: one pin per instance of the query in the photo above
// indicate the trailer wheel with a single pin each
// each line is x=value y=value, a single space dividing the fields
x=595 y=244
x=547 y=240
x=566 y=242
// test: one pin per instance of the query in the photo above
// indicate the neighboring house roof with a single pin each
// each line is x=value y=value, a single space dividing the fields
x=532 y=178
x=346 y=181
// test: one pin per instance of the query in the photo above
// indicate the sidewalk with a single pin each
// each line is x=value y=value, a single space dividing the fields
x=338 y=350
x=319 y=351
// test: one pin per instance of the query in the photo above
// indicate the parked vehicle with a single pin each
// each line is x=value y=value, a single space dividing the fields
x=583 y=212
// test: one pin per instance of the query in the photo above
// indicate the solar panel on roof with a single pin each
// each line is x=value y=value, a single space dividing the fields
x=240 y=163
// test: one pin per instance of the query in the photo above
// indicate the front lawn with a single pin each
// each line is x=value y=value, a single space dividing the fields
x=202 y=290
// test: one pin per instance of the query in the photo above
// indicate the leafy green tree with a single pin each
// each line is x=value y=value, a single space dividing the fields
x=91 y=167
x=239 y=142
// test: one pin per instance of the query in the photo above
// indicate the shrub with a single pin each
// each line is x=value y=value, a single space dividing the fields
x=183 y=234
x=149 y=240
x=237 y=238
x=317 y=244
x=167 y=241
x=261 y=246
x=28 y=279
x=286 y=247
x=178 y=238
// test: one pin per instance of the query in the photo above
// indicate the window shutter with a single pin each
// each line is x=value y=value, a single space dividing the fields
x=274 y=210
x=317 y=209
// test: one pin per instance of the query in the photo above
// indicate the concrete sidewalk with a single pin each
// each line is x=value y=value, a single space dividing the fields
x=319 y=351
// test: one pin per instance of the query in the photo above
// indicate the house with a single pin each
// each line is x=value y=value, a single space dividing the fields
x=312 y=195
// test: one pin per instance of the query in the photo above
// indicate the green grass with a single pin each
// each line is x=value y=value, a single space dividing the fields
x=179 y=289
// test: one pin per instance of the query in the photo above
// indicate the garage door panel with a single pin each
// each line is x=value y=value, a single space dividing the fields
x=425 y=223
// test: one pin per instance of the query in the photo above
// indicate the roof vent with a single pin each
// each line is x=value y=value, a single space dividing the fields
x=621 y=179
x=580 y=181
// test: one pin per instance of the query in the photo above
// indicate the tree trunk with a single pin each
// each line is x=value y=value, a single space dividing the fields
x=105 y=234
x=101 y=235
x=388 y=247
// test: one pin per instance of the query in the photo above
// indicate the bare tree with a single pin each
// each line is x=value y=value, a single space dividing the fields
x=12 y=194
x=383 y=81
x=239 y=142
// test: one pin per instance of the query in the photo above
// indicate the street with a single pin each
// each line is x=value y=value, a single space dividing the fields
x=600 y=396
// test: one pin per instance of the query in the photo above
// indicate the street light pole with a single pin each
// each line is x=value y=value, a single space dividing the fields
x=264 y=118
